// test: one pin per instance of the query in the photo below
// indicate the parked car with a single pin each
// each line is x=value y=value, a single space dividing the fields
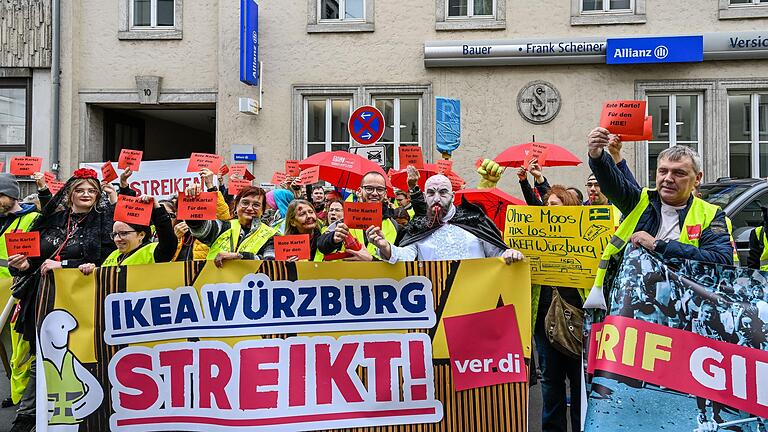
x=741 y=199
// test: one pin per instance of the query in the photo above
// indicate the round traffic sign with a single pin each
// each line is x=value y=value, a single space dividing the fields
x=366 y=125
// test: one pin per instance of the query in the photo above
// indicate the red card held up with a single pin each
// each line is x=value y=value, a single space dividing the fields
x=456 y=181
x=49 y=177
x=108 y=172
x=292 y=168
x=623 y=117
x=130 y=159
x=55 y=186
x=278 y=178
x=444 y=166
x=24 y=243
x=360 y=215
x=236 y=185
x=131 y=210
x=200 y=207
x=539 y=152
x=411 y=155
x=25 y=165
x=292 y=246
x=223 y=170
x=647 y=132
x=240 y=171
x=310 y=175
x=198 y=161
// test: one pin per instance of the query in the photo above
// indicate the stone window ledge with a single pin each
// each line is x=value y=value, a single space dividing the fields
x=471 y=24
x=149 y=34
x=340 y=27
x=743 y=12
x=608 y=19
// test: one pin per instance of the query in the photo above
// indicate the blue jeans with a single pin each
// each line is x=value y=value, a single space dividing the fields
x=555 y=368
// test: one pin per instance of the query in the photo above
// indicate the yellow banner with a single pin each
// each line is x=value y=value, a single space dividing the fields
x=258 y=344
x=564 y=243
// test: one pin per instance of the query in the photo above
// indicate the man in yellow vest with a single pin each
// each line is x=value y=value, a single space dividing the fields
x=758 y=245
x=373 y=188
x=669 y=220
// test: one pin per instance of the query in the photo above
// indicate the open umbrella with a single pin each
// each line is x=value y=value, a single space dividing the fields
x=399 y=178
x=343 y=169
x=518 y=155
x=494 y=201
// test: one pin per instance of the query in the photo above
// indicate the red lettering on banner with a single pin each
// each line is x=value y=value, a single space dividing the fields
x=251 y=360
x=144 y=391
x=335 y=372
x=731 y=374
x=177 y=361
x=382 y=354
x=297 y=387
x=211 y=385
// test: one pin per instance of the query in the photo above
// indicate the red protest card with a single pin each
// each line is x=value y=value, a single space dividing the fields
x=131 y=210
x=200 y=207
x=198 y=161
x=223 y=170
x=55 y=186
x=310 y=175
x=647 y=132
x=623 y=117
x=25 y=165
x=49 y=177
x=478 y=163
x=411 y=155
x=485 y=348
x=539 y=152
x=456 y=181
x=25 y=243
x=236 y=185
x=292 y=168
x=292 y=245
x=444 y=166
x=361 y=215
x=130 y=159
x=278 y=178
x=108 y=172
x=2 y=166
x=237 y=170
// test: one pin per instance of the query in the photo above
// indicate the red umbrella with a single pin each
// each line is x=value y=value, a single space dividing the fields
x=399 y=178
x=494 y=201
x=343 y=169
x=516 y=156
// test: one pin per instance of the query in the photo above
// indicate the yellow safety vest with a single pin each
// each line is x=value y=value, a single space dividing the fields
x=387 y=227
x=20 y=224
x=699 y=216
x=253 y=242
x=733 y=243
x=764 y=256
x=64 y=389
x=143 y=255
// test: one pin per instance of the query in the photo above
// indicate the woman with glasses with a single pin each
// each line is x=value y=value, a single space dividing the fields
x=244 y=237
x=134 y=242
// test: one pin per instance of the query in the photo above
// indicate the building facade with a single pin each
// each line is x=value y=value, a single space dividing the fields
x=163 y=76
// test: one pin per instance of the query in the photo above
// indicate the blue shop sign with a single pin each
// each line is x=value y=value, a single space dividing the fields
x=245 y=157
x=249 y=42
x=672 y=49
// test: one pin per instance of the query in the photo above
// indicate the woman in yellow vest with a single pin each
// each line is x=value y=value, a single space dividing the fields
x=244 y=237
x=134 y=242
x=300 y=218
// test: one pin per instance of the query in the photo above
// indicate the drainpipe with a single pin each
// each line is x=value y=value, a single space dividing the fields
x=55 y=82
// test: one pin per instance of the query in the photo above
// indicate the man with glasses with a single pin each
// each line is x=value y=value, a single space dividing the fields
x=373 y=189
x=446 y=232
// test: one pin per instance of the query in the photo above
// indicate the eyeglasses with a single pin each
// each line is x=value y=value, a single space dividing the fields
x=253 y=204
x=121 y=234
x=86 y=191
x=372 y=189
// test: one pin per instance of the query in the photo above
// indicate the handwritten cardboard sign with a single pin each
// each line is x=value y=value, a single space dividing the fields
x=24 y=243
x=278 y=178
x=55 y=186
x=130 y=159
x=200 y=207
x=108 y=172
x=131 y=210
x=236 y=185
x=564 y=243
x=240 y=171
x=310 y=175
x=292 y=246
x=411 y=155
x=623 y=117
x=444 y=166
x=25 y=165
x=198 y=161
x=456 y=181
x=360 y=215
x=647 y=132
x=292 y=168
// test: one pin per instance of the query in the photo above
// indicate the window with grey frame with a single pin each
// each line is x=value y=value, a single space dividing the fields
x=747 y=145
x=402 y=120
x=325 y=124
x=341 y=10
x=607 y=6
x=148 y=14
x=15 y=118
x=676 y=121
x=746 y=2
x=470 y=8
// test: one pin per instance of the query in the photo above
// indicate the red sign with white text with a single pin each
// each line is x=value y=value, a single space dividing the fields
x=485 y=348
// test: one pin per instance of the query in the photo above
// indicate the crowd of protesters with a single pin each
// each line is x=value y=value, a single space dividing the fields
x=78 y=230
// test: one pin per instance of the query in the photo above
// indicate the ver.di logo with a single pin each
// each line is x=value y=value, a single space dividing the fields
x=661 y=52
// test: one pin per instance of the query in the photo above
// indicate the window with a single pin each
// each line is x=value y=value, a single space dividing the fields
x=598 y=12
x=676 y=121
x=737 y=9
x=471 y=15
x=402 y=119
x=15 y=118
x=748 y=145
x=340 y=16
x=150 y=19
x=325 y=128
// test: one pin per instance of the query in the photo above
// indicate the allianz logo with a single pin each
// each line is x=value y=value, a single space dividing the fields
x=660 y=52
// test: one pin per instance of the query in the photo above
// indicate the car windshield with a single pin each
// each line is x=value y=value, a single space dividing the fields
x=722 y=194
